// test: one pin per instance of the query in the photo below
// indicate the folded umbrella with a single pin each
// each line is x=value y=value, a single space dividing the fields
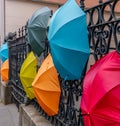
x=37 y=29
x=47 y=87
x=4 y=52
x=5 y=70
x=28 y=72
x=100 y=102
x=68 y=39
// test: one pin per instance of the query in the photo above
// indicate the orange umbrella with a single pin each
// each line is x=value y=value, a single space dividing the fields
x=46 y=87
x=5 y=70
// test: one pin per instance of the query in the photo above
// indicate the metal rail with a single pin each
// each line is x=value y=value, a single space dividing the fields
x=104 y=36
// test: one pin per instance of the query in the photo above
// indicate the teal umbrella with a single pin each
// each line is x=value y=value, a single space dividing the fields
x=68 y=39
x=4 y=52
x=37 y=28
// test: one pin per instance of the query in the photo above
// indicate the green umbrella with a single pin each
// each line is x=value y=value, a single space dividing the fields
x=37 y=28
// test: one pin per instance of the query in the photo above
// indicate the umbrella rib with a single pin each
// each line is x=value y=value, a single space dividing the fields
x=107 y=118
x=75 y=49
x=45 y=90
x=63 y=66
x=44 y=104
x=104 y=96
x=41 y=99
x=63 y=26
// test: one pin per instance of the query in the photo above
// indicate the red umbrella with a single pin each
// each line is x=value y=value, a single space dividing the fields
x=100 y=102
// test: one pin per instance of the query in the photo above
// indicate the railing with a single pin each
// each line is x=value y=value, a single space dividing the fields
x=104 y=36
x=18 y=49
x=104 y=28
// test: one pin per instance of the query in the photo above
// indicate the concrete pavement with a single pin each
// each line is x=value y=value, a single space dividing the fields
x=9 y=115
x=28 y=115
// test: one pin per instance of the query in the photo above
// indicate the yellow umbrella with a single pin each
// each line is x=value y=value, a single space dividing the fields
x=47 y=87
x=28 y=73
x=5 y=71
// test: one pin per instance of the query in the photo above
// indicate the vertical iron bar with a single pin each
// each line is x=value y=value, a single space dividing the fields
x=82 y=5
x=100 y=1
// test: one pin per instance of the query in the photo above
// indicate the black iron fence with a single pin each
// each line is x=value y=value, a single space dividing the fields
x=18 y=49
x=104 y=28
x=104 y=36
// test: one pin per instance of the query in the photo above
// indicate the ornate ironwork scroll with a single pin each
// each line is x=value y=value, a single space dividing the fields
x=104 y=36
x=103 y=27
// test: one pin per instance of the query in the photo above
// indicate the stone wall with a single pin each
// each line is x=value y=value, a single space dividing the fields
x=19 y=11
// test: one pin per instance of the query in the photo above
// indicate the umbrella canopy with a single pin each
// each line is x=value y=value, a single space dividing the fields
x=4 y=52
x=68 y=38
x=5 y=71
x=101 y=88
x=47 y=87
x=27 y=74
x=37 y=28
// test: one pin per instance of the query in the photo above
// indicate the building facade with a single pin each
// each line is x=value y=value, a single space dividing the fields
x=15 y=13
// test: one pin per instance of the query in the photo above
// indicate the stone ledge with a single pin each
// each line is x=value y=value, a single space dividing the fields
x=29 y=116
x=5 y=93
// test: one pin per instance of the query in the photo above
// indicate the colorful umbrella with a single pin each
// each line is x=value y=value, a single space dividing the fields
x=37 y=28
x=4 y=52
x=68 y=38
x=27 y=74
x=100 y=102
x=5 y=71
x=47 y=88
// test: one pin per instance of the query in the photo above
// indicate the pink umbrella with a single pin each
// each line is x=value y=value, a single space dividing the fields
x=100 y=102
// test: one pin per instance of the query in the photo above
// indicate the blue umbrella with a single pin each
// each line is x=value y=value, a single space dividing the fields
x=4 y=52
x=37 y=28
x=68 y=39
